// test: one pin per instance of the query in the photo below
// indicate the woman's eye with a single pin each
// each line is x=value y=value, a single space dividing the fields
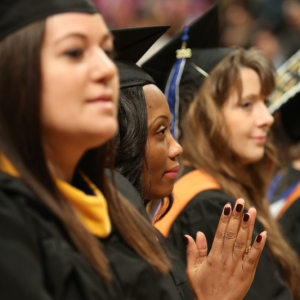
x=267 y=102
x=246 y=104
x=75 y=53
x=161 y=131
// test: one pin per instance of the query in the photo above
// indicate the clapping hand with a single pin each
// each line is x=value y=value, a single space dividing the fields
x=228 y=271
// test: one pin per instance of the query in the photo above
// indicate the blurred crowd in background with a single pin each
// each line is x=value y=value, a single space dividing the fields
x=271 y=25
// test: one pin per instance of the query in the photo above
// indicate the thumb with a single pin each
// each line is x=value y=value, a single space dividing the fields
x=195 y=251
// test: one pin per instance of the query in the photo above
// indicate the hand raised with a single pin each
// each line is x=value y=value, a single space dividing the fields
x=228 y=271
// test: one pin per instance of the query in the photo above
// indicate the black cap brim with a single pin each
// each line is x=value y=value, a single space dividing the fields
x=16 y=14
x=132 y=43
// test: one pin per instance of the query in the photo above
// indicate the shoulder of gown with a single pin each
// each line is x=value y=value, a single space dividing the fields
x=37 y=259
x=141 y=281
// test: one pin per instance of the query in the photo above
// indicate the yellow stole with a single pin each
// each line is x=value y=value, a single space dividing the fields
x=92 y=209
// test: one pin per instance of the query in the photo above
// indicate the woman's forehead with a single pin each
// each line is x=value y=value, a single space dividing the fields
x=81 y=24
x=154 y=96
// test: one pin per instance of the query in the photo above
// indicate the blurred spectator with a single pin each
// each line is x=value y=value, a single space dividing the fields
x=289 y=34
x=270 y=25
x=237 y=25
x=128 y=13
x=266 y=41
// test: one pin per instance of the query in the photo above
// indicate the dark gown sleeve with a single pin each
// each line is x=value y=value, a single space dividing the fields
x=37 y=259
x=129 y=192
x=290 y=225
x=133 y=272
x=202 y=214
x=21 y=275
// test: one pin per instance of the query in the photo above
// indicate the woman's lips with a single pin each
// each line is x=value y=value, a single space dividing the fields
x=105 y=101
x=172 y=173
x=260 y=139
x=102 y=98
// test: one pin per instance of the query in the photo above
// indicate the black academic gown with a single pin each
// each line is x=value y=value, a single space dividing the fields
x=39 y=262
x=202 y=213
x=172 y=286
x=37 y=259
x=290 y=225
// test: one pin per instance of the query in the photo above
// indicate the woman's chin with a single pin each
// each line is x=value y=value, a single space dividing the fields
x=98 y=138
x=161 y=194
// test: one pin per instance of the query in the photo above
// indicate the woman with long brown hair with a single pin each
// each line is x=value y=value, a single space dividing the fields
x=227 y=150
x=63 y=225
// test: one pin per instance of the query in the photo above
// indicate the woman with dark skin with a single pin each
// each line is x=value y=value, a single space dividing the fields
x=149 y=162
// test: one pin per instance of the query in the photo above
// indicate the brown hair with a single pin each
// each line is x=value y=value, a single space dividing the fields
x=210 y=150
x=21 y=143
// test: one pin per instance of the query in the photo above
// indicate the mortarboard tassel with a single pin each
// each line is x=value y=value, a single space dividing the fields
x=172 y=87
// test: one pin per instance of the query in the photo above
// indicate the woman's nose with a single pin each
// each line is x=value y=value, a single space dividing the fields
x=265 y=119
x=175 y=149
x=103 y=68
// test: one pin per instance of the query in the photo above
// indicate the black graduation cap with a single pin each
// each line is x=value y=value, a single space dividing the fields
x=290 y=118
x=130 y=45
x=286 y=97
x=180 y=67
x=197 y=68
x=131 y=74
x=203 y=33
x=15 y=14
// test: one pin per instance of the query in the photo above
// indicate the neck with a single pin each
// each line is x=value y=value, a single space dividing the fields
x=62 y=162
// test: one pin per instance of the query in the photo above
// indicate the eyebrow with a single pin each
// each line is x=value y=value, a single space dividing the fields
x=159 y=117
x=107 y=36
x=251 y=96
x=82 y=36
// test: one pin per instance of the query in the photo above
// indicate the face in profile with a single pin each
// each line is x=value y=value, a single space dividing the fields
x=248 y=119
x=161 y=168
x=79 y=82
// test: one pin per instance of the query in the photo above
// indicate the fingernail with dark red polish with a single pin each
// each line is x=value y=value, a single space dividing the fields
x=186 y=240
x=239 y=208
x=227 y=211
x=259 y=238
x=246 y=217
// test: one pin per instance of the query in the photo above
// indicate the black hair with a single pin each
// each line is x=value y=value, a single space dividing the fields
x=130 y=142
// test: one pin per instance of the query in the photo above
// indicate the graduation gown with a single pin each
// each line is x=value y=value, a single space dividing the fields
x=290 y=225
x=37 y=259
x=174 y=284
x=39 y=262
x=202 y=213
